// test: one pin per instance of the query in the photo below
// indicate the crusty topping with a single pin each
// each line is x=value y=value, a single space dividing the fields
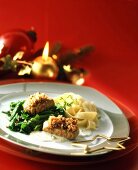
x=69 y=124
x=37 y=103
x=61 y=126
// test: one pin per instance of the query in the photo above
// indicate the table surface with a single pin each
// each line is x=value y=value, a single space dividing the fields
x=111 y=26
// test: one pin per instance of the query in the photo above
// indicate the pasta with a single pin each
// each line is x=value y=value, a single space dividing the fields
x=76 y=106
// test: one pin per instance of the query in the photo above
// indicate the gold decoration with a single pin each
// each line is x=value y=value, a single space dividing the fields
x=112 y=143
x=26 y=70
x=18 y=55
x=45 y=66
x=42 y=68
x=75 y=76
x=48 y=63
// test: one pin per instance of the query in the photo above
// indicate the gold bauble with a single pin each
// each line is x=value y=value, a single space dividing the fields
x=45 y=68
x=76 y=78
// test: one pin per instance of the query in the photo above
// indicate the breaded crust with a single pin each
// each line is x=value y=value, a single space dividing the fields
x=37 y=103
x=61 y=126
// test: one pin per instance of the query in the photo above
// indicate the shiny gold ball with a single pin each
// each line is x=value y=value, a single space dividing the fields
x=45 y=68
x=77 y=78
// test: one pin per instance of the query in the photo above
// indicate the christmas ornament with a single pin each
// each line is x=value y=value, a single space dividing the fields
x=17 y=40
x=74 y=75
x=45 y=66
x=49 y=63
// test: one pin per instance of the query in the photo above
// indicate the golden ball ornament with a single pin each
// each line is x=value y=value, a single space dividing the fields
x=45 y=68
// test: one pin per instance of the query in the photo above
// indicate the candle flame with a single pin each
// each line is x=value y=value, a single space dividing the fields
x=45 y=51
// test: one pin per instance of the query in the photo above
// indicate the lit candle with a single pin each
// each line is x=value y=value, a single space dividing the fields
x=45 y=66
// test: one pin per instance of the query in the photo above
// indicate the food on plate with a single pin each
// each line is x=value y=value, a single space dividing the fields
x=37 y=103
x=61 y=126
x=77 y=107
x=24 y=122
x=63 y=115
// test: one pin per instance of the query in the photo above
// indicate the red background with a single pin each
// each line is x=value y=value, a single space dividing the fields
x=111 y=26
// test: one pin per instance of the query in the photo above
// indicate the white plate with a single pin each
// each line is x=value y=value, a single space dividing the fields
x=112 y=122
